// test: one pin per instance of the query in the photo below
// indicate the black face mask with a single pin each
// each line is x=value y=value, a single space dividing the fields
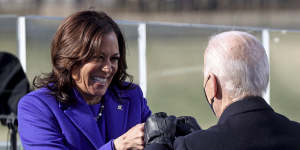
x=212 y=100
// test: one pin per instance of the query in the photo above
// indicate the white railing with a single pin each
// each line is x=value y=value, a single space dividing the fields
x=142 y=57
x=21 y=33
x=142 y=42
x=266 y=44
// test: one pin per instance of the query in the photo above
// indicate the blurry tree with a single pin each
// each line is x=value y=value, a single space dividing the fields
x=212 y=4
x=79 y=3
x=38 y=5
x=143 y=5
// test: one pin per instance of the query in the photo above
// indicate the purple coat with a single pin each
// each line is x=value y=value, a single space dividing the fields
x=46 y=124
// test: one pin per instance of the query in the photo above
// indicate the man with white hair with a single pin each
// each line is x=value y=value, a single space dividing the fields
x=236 y=75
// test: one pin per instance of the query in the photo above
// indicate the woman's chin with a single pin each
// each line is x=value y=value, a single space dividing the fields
x=99 y=89
x=93 y=102
x=96 y=97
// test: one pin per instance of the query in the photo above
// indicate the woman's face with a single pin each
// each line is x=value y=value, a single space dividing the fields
x=95 y=76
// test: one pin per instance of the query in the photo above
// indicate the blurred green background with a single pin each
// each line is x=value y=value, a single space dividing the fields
x=174 y=52
x=174 y=63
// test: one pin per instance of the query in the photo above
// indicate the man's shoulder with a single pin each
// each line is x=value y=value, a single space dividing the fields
x=206 y=139
x=287 y=123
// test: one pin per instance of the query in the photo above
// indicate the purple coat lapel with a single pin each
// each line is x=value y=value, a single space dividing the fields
x=81 y=117
x=117 y=114
x=116 y=107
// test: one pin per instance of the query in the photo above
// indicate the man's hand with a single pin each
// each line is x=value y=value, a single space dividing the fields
x=160 y=129
x=186 y=125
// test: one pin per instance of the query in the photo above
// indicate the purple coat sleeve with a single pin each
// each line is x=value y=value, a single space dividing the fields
x=108 y=146
x=146 y=112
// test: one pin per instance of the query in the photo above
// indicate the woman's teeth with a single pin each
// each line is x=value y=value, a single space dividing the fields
x=98 y=79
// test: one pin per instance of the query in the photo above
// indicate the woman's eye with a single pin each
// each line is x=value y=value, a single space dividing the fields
x=99 y=58
x=113 y=59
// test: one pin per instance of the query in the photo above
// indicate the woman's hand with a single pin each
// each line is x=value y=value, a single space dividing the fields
x=132 y=139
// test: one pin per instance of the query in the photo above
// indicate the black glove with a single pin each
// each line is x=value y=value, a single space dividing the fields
x=160 y=129
x=186 y=125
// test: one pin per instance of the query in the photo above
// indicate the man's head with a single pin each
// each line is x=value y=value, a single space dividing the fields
x=235 y=66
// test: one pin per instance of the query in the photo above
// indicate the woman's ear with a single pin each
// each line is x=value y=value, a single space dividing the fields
x=75 y=74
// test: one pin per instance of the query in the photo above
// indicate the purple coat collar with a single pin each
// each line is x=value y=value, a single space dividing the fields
x=83 y=119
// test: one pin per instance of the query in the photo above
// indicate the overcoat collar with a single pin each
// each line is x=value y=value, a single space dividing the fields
x=82 y=117
x=247 y=104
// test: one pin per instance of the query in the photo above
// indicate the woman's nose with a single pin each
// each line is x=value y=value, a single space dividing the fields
x=106 y=68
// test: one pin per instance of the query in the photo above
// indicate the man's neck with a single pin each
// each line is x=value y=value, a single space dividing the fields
x=227 y=101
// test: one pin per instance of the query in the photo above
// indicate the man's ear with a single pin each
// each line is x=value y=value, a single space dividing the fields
x=212 y=85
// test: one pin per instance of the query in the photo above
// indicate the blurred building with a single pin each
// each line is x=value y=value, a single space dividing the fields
x=263 y=13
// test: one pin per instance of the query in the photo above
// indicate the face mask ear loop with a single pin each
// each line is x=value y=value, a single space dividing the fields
x=212 y=100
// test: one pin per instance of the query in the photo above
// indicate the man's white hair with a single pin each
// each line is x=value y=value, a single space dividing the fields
x=239 y=61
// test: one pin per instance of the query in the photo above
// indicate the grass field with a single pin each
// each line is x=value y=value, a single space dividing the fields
x=174 y=67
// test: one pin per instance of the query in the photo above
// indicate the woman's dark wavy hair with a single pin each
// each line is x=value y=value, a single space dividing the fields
x=76 y=42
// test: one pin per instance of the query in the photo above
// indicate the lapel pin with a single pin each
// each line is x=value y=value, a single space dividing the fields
x=120 y=107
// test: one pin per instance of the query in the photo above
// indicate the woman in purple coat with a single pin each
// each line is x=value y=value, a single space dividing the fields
x=85 y=102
